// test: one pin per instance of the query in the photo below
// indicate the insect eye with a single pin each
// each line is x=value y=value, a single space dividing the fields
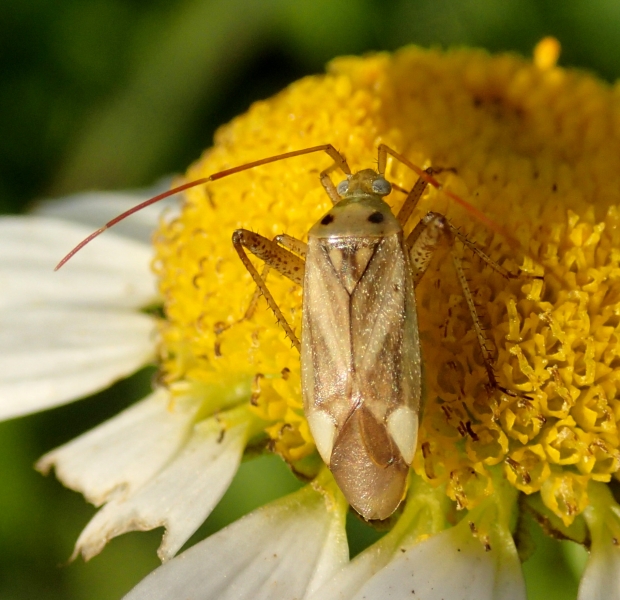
x=343 y=187
x=381 y=186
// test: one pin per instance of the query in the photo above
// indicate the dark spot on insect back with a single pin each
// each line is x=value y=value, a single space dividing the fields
x=376 y=217
x=327 y=219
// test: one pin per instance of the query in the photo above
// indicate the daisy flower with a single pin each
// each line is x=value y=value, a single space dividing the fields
x=536 y=148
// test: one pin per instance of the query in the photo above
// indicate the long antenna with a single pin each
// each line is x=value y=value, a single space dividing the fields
x=339 y=162
x=328 y=148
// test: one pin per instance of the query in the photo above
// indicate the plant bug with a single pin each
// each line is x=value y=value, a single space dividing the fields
x=360 y=350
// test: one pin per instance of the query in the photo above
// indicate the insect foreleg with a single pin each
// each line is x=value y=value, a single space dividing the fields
x=413 y=197
x=329 y=186
x=275 y=257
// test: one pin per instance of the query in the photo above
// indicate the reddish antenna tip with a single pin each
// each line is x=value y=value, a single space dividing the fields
x=80 y=246
x=127 y=213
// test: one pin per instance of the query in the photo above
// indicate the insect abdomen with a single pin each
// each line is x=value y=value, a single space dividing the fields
x=368 y=467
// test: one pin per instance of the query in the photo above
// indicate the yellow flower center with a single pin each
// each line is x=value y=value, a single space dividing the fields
x=535 y=148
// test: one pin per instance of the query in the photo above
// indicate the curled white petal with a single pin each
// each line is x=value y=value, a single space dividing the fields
x=423 y=515
x=111 y=271
x=179 y=497
x=601 y=578
x=280 y=551
x=452 y=564
x=333 y=555
x=51 y=355
x=345 y=582
x=119 y=456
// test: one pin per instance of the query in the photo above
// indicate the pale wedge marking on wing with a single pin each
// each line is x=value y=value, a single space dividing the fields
x=323 y=429
x=402 y=425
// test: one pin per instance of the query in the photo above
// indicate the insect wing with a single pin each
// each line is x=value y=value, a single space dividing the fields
x=361 y=368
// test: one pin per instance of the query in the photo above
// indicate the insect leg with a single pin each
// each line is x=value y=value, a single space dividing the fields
x=421 y=243
x=329 y=186
x=413 y=197
x=290 y=243
x=426 y=178
x=276 y=257
x=425 y=237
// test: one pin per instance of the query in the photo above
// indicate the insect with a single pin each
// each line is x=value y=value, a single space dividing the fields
x=360 y=351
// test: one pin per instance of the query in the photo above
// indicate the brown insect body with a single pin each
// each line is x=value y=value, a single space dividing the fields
x=360 y=350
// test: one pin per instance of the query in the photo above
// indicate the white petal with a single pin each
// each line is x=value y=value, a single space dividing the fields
x=116 y=458
x=94 y=209
x=334 y=554
x=353 y=575
x=450 y=565
x=601 y=578
x=423 y=515
x=274 y=553
x=50 y=356
x=179 y=498
x=111 y=271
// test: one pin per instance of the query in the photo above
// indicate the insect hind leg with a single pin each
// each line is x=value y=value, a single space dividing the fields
x=275 y=257
x=288 y=242
x=432 y=231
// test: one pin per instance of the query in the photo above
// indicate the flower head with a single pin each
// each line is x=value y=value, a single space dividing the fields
x=512 y=149
x=534 y=148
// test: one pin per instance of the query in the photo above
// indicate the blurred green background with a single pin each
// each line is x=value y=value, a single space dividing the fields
x=105 y=94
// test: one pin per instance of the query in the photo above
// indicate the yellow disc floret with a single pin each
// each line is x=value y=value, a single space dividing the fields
x=533 y=146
